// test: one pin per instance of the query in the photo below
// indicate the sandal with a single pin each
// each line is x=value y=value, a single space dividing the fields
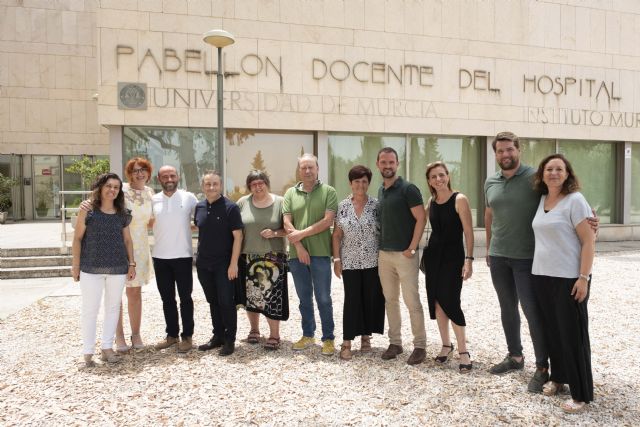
x=464 y=368
x=365 y=343
x=253 y=337
x=551 y=388
x=345 y=352
x=570 y=406
x=443 y=359
x=272 y=344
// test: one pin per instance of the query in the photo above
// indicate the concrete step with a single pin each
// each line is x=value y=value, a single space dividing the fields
x=34 y=272
x=39 y=261
x=33 y=252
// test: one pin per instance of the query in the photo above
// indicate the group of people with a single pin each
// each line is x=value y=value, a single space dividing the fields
x=540 y=241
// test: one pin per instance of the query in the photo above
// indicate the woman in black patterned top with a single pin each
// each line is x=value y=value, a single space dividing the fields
x=355 y=251
x=102 y=261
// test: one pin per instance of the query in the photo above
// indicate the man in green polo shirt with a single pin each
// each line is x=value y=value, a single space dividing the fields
x=309 y=209
x=511 y=206
x=402 y=221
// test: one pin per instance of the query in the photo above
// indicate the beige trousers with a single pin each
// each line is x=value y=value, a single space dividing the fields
x=399 y=272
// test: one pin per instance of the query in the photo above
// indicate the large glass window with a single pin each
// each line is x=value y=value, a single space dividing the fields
x=46 y=184
x=190 y=150
x=594 y=162
x=348 y=150
x=275 y=153
x=532 y=151
x=464 y=161
x=635 y=184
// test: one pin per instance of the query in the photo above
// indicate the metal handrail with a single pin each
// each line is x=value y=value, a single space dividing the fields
x=64 y=209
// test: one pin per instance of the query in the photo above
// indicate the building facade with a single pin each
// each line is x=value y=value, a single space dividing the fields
x=341 y=78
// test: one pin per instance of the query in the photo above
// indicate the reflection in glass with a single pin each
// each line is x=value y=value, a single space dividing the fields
x=191 y=150
x=347 y=150
x=594 y=162
x=71 y=182
x=635 y=184
x=46 y=184
x=532 y=151
x=275 y=153
x=463 y=159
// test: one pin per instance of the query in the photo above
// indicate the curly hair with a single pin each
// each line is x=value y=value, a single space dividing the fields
x=96 y=195
x=432 y=166
x=144 y=163
x=570 y=185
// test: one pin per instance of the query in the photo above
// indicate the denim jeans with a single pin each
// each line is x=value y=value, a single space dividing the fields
x=513 y=281
x=219 y=291
x=310 y=280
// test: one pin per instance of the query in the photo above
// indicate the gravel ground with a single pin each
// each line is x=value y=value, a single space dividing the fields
x=43 y=381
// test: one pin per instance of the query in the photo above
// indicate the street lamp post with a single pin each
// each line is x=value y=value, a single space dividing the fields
x=220 y=39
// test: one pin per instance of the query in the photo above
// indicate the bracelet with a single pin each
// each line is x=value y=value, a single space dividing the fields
x=336 y=259
x=469 y=257
x=132 y=264
x=584 y=276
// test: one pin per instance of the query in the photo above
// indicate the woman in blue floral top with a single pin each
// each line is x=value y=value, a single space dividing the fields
x=355 y=251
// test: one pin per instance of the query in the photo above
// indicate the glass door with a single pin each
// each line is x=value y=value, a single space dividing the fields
x=46 y=184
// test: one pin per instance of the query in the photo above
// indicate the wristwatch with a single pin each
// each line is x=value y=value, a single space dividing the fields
x=413 y=251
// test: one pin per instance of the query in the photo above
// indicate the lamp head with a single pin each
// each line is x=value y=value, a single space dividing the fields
x=218 y=38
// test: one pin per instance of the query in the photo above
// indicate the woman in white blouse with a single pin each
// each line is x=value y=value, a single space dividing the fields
x=565 y=246
x=355 y=252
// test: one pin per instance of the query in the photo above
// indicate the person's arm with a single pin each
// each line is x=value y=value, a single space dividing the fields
x=315 y=228
x=268 y=233
x=336 y=240
x=128 y=243
x=78 y=234
x=86 y=205
x=488 y=218
x=464 y=212
x=418 y=229
x=587 y=252
x=232 y=272
x=594 y=223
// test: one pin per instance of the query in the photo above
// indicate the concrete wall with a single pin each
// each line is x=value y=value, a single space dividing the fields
x=283 y=46
x=48 y=76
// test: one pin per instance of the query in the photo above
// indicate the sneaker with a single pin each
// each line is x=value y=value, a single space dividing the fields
x=227 y=349
x=507 y=365
x=214 y=342
x=185 y=345
x=328 y=348
x=303 y=343
x=540 y=377
x=391 y=352
x=166 y=343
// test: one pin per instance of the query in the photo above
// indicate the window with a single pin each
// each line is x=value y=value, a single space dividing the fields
x=462 y=155
x=348 y=150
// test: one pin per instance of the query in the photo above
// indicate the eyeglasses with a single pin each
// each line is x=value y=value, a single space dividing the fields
x=137 y=171
x=257 y=183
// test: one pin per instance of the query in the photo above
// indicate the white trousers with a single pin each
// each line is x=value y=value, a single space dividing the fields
x=92 y=286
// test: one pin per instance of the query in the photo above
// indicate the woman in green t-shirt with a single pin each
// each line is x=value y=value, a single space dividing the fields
x=263 y=264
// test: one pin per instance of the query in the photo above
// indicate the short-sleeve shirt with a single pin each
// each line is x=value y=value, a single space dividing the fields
x=396 y=219
x=513 y=203
x=359 y=247
x=172 y=226
x=308 y=208
x=255 y=220
x=216 y=222
x=558 y=247
x=102 y=250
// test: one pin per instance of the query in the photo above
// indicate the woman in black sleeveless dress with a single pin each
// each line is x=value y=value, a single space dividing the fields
x=445 y=263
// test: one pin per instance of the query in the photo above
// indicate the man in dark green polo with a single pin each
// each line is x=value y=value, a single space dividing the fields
x=402 y=221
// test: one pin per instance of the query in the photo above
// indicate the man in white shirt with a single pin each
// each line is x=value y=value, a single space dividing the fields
x=173 y=256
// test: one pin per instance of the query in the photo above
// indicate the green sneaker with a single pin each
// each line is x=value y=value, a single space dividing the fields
x=328 y=348
x=303 y=343
x=540 y=377
x=507 y=365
